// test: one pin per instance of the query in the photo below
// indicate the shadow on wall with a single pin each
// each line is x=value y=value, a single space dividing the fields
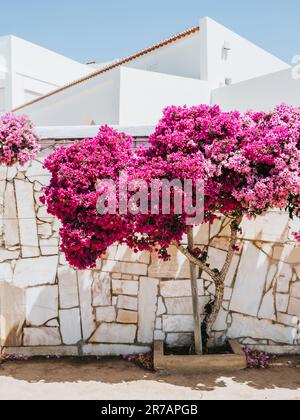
x=12 y=314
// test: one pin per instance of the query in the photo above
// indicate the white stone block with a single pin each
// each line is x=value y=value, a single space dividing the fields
x=216 y=260
x=41 y=304
x=6 y=255
x=179 y=288
x=289 y=320
x=11 y=228
x=161 y=309
x=127 y=317
x=11 y=172
x=6 y=273
x=49 y=246
x=267 y=309
x=294 y=307
x=178 y=267
x=271 y=276
x=68 y=291
x=27 y=219
x=70 y=326
x=44 y=216
x=41 y=337
x=42 y=351
x=126 y=255
x=158 y=324
x=284 y=277
x=85 y=281
x=159 y=335
x=111 y=266
x=114 y=333
x=35 y=271
x=295 y=290
x=250 y=281
x=36 y=172
x=288 y=253
x=184 y=306
x=271 y=227
x=227 y=293
x=178 y=323
x=280 y=350
x=101 y=289
x=113 y=350
x=12 y=314
x=244 y=326
x=147 y=309
x=127 y=302
x=282 y=302
x=124 y=287
x=45 y=230
x=106 y=314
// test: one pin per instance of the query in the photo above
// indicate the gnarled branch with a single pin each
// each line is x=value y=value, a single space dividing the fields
x=186 y=252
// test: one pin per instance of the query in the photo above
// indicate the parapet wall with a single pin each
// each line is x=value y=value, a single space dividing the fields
x=47 y=308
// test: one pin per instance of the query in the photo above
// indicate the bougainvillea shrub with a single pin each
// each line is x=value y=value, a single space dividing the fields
x=18 y=140
x=249 y=164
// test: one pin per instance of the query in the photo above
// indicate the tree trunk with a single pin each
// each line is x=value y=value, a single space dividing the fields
x=195 y=297
x=217 y=276
x=219 y=297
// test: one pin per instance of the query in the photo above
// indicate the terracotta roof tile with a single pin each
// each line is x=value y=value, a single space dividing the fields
x=116 y=64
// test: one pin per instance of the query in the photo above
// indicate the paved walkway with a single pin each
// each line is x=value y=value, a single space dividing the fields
x=117 y=379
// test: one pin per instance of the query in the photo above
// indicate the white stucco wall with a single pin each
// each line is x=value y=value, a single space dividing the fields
x=5 y=74
x=144 y=94
x=262 y=93
x=32 y=71
x=97 y=99
x=181 y=58
x=245 y=60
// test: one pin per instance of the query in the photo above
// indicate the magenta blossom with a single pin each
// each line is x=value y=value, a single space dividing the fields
x=18 y=140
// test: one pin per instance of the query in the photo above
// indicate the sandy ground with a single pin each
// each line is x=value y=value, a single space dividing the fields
x=109 y=379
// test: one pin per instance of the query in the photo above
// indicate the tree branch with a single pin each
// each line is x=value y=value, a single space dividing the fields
x=186 y=252
x=230 y=254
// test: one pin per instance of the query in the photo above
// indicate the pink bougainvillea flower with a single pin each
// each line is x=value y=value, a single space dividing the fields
x=18 y=140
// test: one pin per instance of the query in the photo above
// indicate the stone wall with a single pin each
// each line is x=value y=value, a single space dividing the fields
x=47 y=308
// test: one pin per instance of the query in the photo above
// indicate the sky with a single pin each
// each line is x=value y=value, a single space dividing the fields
x=102 y=30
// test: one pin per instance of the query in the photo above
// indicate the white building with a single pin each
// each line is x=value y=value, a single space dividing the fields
x=205 y=64
x=28 y=71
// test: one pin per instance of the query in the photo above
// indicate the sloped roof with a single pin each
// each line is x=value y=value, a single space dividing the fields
x=116 y=64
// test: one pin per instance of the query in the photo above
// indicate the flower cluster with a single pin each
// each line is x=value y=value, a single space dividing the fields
x=72 y=195
x=270 y=155
x=297 y=236
x=257 y=359
x=249 y=164
x=18 y=140
x=143 y=360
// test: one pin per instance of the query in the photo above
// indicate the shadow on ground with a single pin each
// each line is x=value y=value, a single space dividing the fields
x=117 y=371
